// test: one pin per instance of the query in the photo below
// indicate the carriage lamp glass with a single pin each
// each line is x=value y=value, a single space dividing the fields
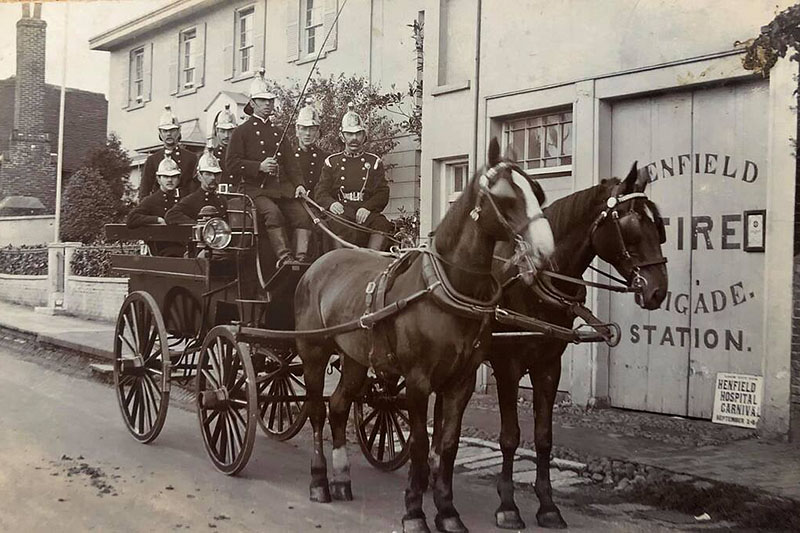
x=216 y=234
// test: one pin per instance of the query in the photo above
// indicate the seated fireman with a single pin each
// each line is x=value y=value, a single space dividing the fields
x=152 y=209
x=268 y=175
x=208 y=174
x=353 y=185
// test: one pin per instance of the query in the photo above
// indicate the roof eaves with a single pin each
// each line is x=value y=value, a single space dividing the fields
x=175 y=10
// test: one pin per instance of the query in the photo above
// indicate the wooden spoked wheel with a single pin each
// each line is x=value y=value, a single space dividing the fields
x=382 y=424
x=183 y=318
x=281 y=393
x=141 y=370
x=226 y=400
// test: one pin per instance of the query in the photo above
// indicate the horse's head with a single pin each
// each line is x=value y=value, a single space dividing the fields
x=628 y=234
x=508 y=206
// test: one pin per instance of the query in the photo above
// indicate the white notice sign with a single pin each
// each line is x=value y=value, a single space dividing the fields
x=737 y=399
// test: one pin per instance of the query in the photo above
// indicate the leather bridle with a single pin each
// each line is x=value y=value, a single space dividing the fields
x=486 y=181
x=637 y=283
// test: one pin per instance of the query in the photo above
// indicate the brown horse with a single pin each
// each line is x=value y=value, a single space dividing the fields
x=615 y=221
x=436 y=342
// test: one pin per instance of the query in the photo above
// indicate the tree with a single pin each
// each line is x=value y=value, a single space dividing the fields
x=331 y=96
x=89 y=204
x=112 y=163
x=774 y=41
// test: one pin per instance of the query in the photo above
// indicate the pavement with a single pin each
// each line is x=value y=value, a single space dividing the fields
x=766 y=467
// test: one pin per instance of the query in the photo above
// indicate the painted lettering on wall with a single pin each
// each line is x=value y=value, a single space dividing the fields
x=705 y=232
x=688 y=337
x=722 y=165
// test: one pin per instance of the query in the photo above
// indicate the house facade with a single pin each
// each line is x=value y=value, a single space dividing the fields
x=580 y=90
x=199 y=55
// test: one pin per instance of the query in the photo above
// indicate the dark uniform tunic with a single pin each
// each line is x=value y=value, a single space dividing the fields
x=227 y=177
x=186 y=161
x=152 y=208
x=355 y=181
x=186 y=211
x=148 y=212
x=252 y=142
x=310 y=162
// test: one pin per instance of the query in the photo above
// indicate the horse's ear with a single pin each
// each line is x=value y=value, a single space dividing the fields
x=494 y=152
x=630 y=179
x=642 y=180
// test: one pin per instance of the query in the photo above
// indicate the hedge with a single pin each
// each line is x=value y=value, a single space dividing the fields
x=23 y=260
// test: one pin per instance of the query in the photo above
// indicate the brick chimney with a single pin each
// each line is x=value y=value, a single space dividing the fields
x=27 y=168
x=29 y=95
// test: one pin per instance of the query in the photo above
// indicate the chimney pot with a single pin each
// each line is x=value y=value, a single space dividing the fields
x=37 y=10
x=26 y=10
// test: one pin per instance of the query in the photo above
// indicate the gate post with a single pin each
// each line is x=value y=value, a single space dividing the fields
x=55 y=279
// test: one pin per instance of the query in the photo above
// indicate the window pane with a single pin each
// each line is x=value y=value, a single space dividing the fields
x=459 y=178
x=518 y=142
x=552 y=147
x=246 y=60
x=311 y=40
x=535 y=143
x=566 y=139
x=309 y=12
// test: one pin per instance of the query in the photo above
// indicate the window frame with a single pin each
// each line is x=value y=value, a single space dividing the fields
x=450 y=168
x=136 y=76
x=311 y=25
x=186 y=61
x=565 y=117
x=244 y=49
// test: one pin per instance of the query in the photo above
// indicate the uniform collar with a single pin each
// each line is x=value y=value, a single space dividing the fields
x=264 y=120
x=359 y=154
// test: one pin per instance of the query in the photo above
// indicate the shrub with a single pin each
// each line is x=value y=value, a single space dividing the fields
x=406 y=227
x=111 y=161
x=331 y=96
x=26 y=260
x=88 y=205
x=95 y=261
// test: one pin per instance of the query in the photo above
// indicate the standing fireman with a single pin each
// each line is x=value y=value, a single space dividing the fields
x=169 y=131
x=353 y=185
x=269 y=175
x=224 y=125
x=309 y=156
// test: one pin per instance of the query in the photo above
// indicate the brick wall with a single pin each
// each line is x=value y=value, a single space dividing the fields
x=27 y=169
x=24 y=290
x=85 y=121
x=98 y=298
x=29 y=95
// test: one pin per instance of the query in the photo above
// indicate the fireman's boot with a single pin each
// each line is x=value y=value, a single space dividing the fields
x=277 y=239
x=302 y=238
x=376 y=241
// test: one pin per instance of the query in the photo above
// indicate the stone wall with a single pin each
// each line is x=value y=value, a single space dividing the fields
x=32 y=229
x=97 y=298
x=24 y=290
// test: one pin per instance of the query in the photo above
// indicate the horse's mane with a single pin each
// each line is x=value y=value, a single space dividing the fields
x=563 y=212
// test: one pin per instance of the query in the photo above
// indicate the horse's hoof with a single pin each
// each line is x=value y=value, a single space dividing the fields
x=415 y=525
x=320 y=494
x=551 y=520
x=450 y=524
x=341 y=491
x=509 y=520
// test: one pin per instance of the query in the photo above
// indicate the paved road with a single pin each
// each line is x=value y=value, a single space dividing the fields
x=67 y=464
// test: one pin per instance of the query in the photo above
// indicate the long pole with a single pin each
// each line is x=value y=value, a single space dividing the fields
x=60 y=158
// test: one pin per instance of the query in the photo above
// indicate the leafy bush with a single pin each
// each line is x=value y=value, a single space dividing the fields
x=331 y=96
x=88 y=205
x=776 y=39
x=111 y=161
x=95 y=261
x=406 y=227
x=25 y=260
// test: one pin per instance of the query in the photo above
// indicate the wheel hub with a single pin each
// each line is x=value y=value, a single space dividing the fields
x=133 y=366
x=215 y=399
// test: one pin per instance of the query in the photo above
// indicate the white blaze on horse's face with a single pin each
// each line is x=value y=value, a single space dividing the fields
x=537 y=234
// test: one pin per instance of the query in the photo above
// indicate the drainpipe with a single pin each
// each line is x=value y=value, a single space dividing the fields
x=476 y=88
x=483 y=371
